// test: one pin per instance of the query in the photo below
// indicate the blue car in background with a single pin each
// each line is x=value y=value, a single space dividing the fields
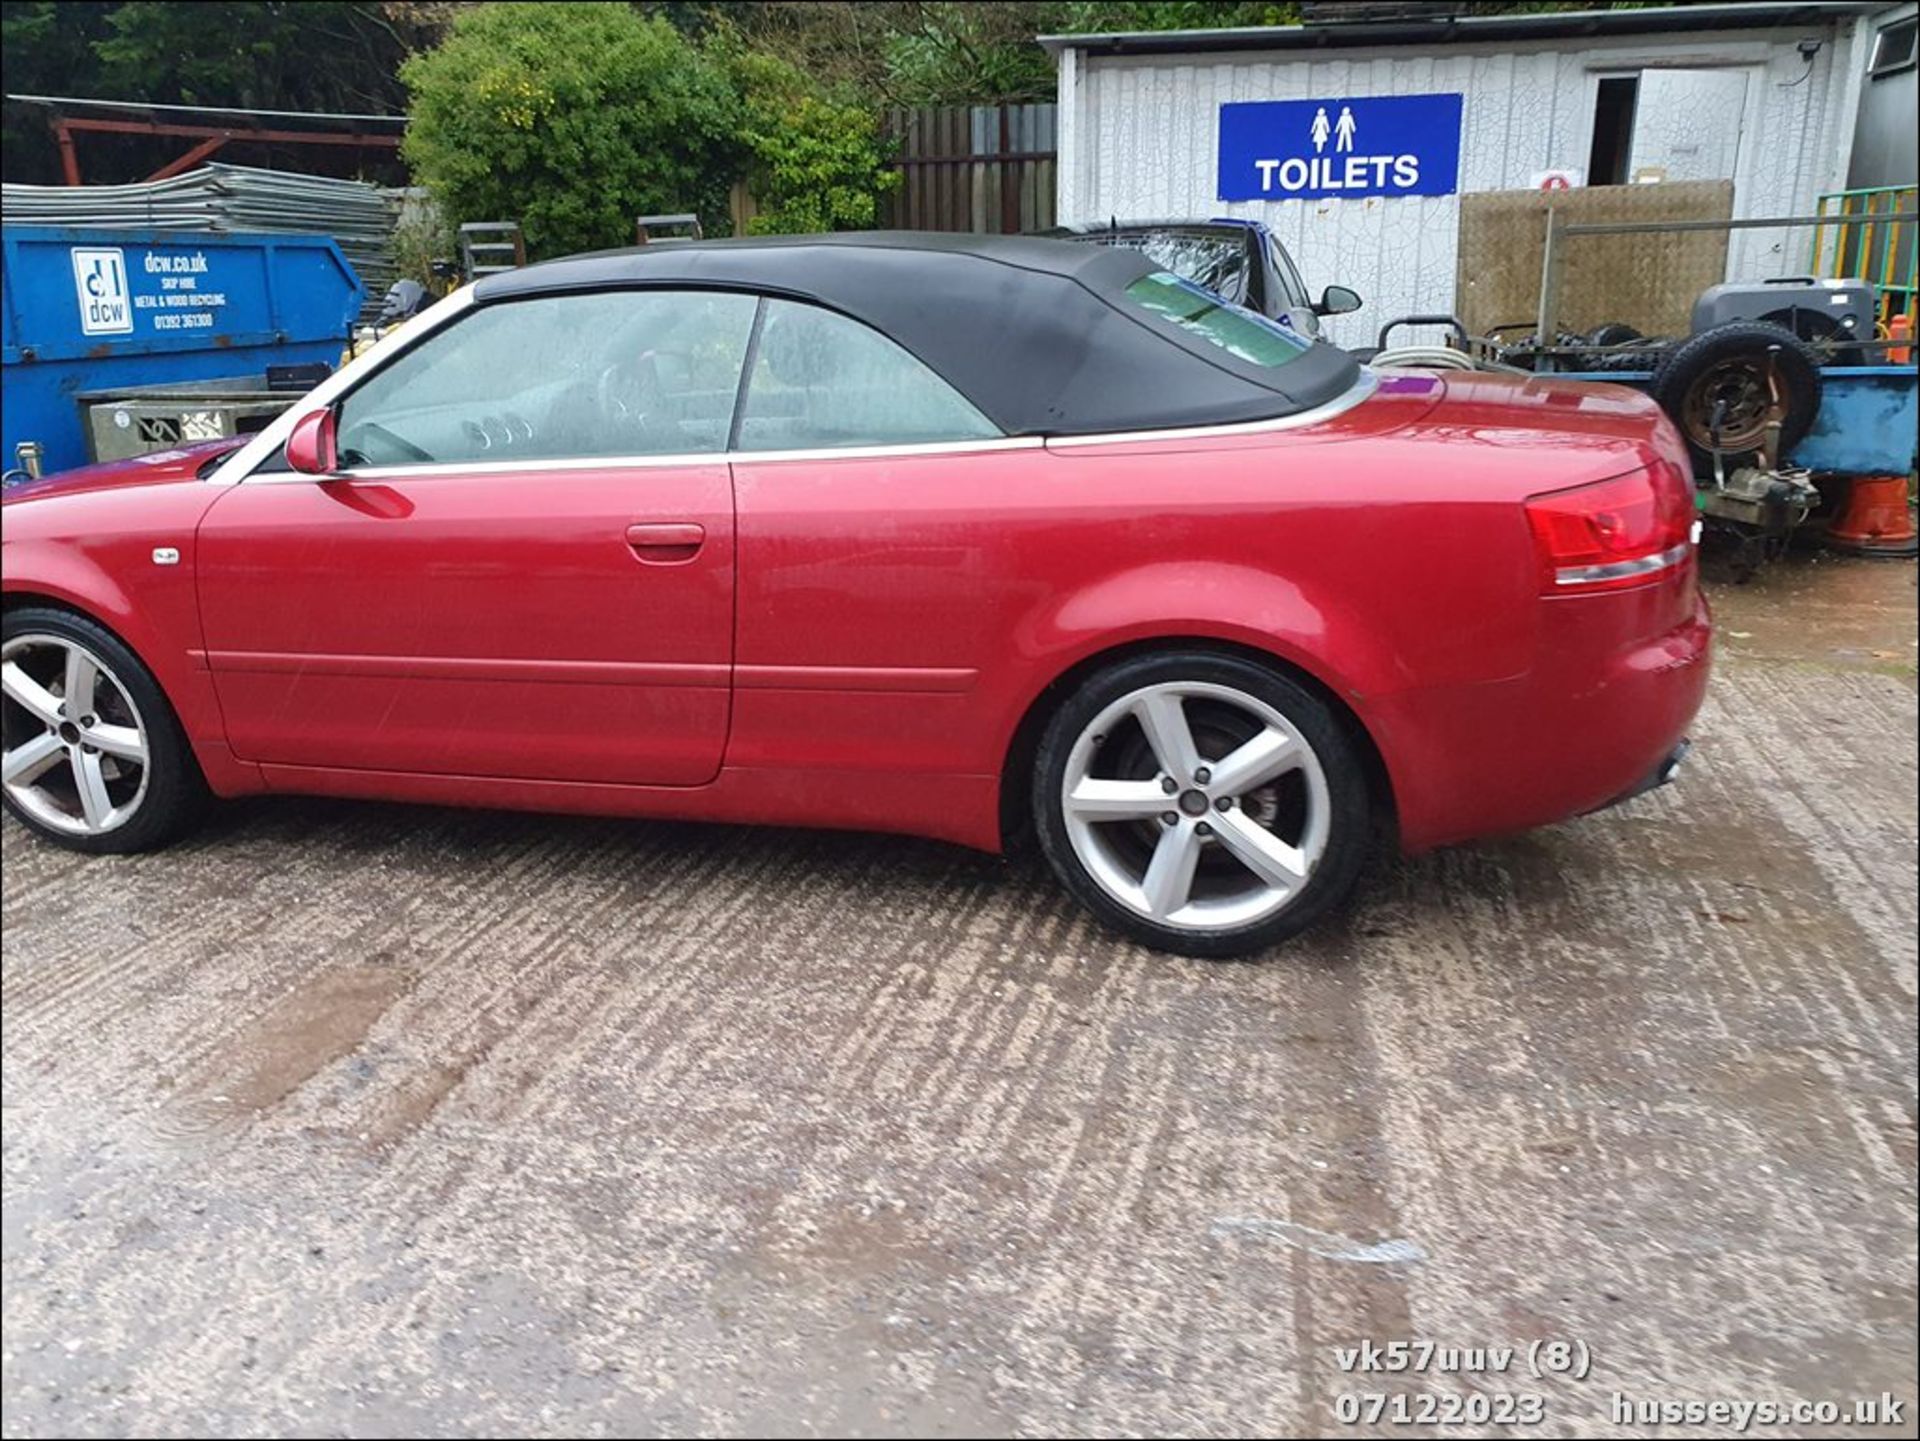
x=1240 y=260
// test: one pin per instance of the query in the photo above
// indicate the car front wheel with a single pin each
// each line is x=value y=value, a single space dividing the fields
x=91 y=756
x=1202 y=804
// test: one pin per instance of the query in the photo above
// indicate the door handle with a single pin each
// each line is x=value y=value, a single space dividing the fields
x=666 y=542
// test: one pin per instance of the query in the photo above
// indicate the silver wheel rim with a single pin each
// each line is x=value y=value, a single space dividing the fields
x=1196 y=806
x=73 y=745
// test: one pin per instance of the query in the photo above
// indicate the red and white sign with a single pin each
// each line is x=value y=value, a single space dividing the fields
x=1556 y=179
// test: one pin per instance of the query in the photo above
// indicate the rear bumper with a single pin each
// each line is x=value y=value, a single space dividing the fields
x=1602 y=716
x=1663 y=774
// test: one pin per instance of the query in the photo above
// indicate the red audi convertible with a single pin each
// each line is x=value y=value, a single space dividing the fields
x=969 y=538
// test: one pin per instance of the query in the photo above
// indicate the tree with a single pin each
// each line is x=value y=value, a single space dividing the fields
x=953 y=52
x=324 y=55
x=267 y=54
x=43 y=47
x=973 y=52
x=940 y=52
x=816 y=160
x=572 y=118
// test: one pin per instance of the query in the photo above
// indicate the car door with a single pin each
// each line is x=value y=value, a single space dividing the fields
x=525 y=567
x=878 y=549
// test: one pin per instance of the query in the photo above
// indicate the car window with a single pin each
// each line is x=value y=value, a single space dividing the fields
x=1290 y=277
x=1235 y=329
x=555 y=377
x=822 y=380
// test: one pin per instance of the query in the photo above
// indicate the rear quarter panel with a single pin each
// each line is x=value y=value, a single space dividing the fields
x=902 y=612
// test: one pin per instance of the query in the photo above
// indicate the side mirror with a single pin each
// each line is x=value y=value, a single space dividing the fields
x=310 y=446
x=1337 y=300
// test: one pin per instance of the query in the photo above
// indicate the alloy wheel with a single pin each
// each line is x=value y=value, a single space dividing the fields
x=73 y=746
x=1196 y=805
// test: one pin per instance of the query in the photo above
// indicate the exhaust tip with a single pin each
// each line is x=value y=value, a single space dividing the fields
x=1670 y=767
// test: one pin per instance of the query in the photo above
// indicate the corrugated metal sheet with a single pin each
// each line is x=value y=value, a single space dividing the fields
x=221 y=199
x=1139 y=138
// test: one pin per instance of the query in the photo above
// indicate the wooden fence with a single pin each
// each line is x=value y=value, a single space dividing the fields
x=984 y=168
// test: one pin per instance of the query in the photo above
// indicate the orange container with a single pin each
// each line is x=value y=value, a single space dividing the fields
x=1900 y=329
x=1875 y=519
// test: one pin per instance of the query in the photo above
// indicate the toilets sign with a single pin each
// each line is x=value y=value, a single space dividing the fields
x=1350 y=147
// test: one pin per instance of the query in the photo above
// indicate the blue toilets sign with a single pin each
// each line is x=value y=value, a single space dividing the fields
x=1350 y=147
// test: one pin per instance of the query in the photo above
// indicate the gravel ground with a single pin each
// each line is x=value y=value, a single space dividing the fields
x=361 y=1120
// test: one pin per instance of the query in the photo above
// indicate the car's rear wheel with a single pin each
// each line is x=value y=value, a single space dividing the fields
x=1202 y=804
x=91 y=755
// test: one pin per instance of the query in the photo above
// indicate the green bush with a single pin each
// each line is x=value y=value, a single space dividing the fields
x=571 y=118
x=421 y=238
x=816 y=161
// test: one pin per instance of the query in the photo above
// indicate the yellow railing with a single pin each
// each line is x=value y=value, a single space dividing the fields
x=1880 y=251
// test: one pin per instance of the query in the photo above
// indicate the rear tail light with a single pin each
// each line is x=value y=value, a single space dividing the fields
x=1612 y=534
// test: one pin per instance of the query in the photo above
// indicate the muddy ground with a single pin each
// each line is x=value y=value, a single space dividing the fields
x=359 y=1120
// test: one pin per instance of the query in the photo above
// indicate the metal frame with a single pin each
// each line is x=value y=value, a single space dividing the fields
x=1899 y=285
x=1427 y=30
x=212 y=137
x=1556 y=232
x=342 y=129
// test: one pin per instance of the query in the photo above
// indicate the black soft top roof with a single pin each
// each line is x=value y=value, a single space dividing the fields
x=1036 y=333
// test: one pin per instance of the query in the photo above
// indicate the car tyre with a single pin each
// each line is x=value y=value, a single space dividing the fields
x=1202 y=804
x=1728 y=363
x=113 y=776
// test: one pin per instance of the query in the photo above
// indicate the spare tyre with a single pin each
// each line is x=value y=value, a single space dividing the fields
x=1726 y=370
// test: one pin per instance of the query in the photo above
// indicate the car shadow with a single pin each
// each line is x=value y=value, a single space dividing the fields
x=899 y=884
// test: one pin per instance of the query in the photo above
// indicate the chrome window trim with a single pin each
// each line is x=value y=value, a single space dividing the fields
x=240 y=465
x=649 y=462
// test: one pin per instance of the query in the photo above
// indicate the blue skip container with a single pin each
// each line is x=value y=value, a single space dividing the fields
x=105 y=310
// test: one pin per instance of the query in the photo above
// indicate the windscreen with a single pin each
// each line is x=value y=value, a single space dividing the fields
x=1218 y=262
